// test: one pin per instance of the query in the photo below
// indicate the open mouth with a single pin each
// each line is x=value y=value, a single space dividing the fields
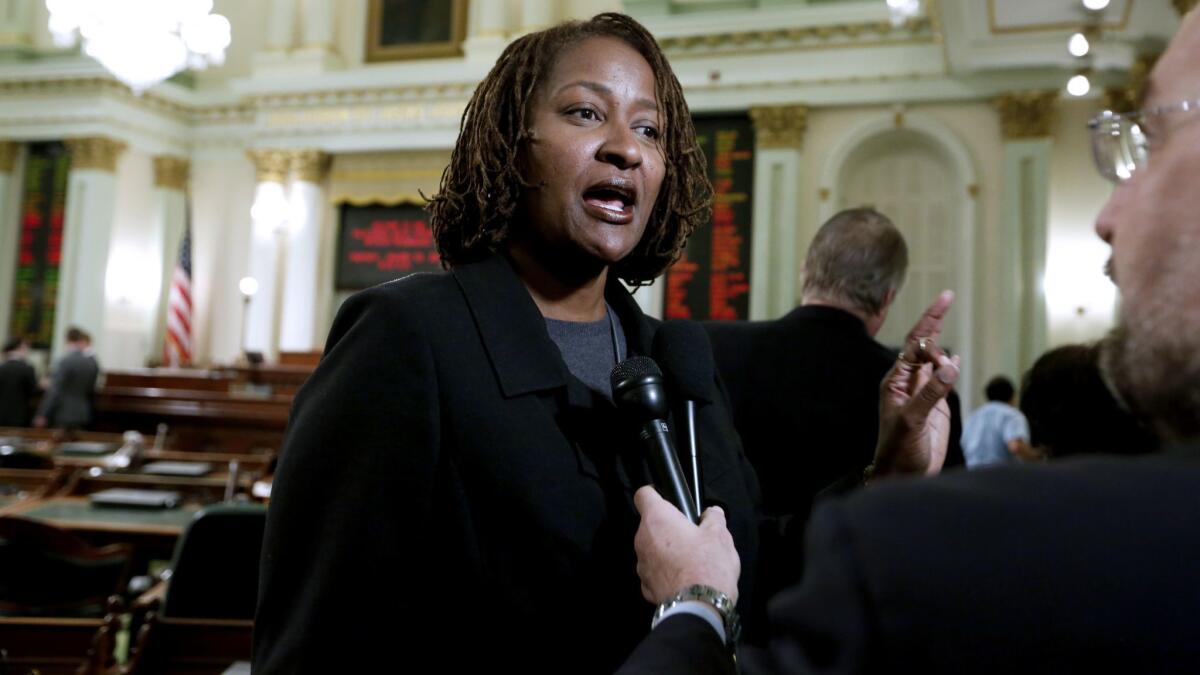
x=611 y=200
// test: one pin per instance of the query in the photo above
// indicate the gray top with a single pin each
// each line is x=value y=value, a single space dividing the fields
x=590 y=348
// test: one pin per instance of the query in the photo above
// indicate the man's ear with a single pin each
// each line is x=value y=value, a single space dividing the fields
x=888 y=298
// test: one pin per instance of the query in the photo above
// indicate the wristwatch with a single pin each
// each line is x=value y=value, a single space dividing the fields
x=718 y=600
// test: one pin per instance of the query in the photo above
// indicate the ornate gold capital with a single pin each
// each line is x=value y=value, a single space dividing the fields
x=1184 y=6
x=1027 y=114
x=1131 y=97
x=780 y=126
x=309 y=165
x=94 y=152
x=8 y=155
x=171 y=172
x=270 y=166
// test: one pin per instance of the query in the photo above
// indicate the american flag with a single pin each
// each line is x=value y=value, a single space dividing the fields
x=177 y=345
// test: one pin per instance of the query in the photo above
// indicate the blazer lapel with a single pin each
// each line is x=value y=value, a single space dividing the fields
x=513 y=331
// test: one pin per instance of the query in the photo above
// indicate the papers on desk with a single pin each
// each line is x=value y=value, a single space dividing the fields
x=187 y=469
x=87 y=449
x=140 y=499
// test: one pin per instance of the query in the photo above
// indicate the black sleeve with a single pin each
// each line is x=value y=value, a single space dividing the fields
x=824 y=624
x=345 y=576
x=680 y=644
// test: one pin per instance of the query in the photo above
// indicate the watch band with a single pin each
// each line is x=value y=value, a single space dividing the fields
x=711 y=596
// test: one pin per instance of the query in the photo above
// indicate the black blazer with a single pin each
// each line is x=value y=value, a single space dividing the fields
x=18 y=386
x=1088 y=566
x=448 y=492
x=805 y=397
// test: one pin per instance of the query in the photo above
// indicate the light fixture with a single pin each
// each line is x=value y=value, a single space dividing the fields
x=248 y=287
x=1078 y=45
x=142 y=42
x=1079 y=85
x=1095 y=5
x=903 y=10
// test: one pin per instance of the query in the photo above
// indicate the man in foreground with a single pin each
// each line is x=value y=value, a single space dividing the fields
x=1082 y=566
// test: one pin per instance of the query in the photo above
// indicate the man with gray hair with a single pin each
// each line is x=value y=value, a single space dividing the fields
x=812 y=377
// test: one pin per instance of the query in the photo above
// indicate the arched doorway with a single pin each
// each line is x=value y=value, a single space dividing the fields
x=919 y=175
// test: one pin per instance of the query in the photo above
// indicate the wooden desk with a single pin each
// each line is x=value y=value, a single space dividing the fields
x=152 y=532
x=199 y=420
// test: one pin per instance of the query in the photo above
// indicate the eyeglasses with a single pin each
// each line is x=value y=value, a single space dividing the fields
x=1119 y=142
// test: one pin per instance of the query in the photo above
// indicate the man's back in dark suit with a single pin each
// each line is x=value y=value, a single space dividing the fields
x=18 y=385
x=1082 y=566
x=68 y=401
x=805 y=396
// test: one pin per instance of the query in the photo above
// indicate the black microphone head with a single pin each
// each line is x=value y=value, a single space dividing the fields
x=686 y=353
x=637 y=388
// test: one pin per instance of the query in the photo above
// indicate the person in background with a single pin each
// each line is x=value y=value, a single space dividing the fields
x=18 y=385
x=805 y=388
x=996 y=433
x=1071 y=410
x=68 y=400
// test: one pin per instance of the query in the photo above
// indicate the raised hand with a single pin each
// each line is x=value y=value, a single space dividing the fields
x=914 y=419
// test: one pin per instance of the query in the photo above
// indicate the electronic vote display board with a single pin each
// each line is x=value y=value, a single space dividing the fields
x=712 y=279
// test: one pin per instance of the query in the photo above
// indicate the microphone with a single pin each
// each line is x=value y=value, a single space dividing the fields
x=684 y=349
x=638 y=392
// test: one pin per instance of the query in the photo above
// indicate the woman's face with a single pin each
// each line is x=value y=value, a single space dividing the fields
x=593 y=160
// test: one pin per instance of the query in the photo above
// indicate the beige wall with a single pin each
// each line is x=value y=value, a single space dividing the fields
x=1079 y=297
x=132 y=279
x=223 y=190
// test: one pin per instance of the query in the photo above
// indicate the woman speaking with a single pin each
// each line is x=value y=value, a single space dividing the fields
x=456 y=483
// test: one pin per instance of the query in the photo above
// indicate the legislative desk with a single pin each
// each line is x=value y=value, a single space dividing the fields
x=82 y=474
x=152 y=532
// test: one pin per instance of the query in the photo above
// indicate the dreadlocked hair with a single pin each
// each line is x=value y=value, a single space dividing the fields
x=473 y=210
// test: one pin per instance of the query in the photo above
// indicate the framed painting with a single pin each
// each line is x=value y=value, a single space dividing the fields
x=415 y=29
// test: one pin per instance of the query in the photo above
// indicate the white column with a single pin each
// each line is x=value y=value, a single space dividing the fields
x=9 y=230
x=267 y=231
x=487 y=35
x=16 y=25
x=773 y=268
x=298 y=330
x=170 y=190
x=1027 y=121
x=536 y=15
x=318 y=20
x=87 y=235
x=281 y=25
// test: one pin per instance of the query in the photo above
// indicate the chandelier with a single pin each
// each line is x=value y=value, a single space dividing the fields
x=142 y=42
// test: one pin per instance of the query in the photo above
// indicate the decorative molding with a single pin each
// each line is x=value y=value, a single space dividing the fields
x=270 y=166
x=171 y=172
x=1117 y=25
x=94 y=152
x=1184 y=6
x=309 y=166
x=780 y=126
x=918 y=30
x=1027 y=114
x=8 y=155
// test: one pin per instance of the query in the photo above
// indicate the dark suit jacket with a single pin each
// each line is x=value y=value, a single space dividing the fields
x=448 y=492
x=18 y=386
x=1085 y=566
x=68 y=402
x=805 y=397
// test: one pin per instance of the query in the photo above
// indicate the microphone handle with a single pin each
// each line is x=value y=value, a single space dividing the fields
x=689 y=429
x=665 y=468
